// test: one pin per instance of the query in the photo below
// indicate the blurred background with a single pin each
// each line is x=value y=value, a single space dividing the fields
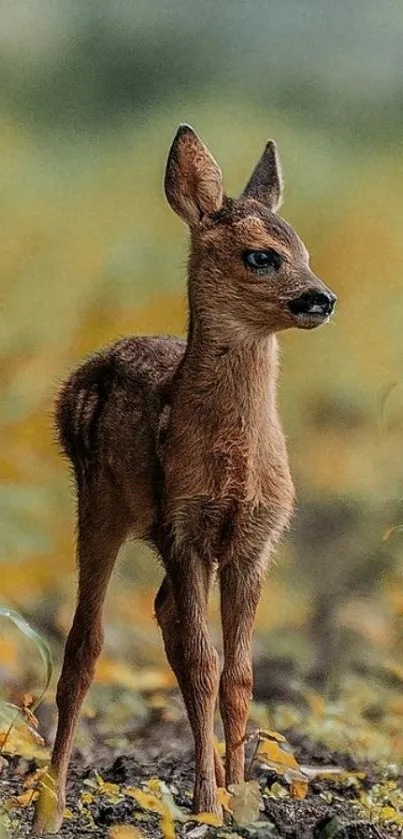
x=91 y=95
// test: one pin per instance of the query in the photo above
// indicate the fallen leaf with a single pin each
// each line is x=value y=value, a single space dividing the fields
x=167 y=826
x=224 y=798
x=208 y=818
x=27 y=701
x=23 y=800
x=219 y=745
x=17 y=736
x=156 y=804
x=390 y=814
x=146 y=800
x=109 y=790
x=277 y=791
x=279 y=757
x=46 y=806
x=299 y=789
x=266 y=734
x=34 y=778
x=245 y=802
x=273 y=753
x=124 y=831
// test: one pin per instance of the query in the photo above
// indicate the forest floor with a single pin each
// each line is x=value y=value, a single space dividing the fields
x=144 y=790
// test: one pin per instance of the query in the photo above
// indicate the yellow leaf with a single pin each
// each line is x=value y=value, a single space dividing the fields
x=299 y=789
x=271 y=735
x=167 y=825
x=208 y=818
x=145 y=799
x=277 y=757
x=219 y=746
x=224 y=798
x=161 y=803
x=154 y=784
x=273 y=752
x=17 y=736
x=389 y=814
x=23 y=800
x=87 y=797
x=110 y=791
x=124 y=831
x=32 y=779
x=46 y=806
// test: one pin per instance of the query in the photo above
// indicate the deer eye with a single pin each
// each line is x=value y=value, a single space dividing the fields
x=262 y=260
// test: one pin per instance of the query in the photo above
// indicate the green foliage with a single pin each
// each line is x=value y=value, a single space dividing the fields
x=9 y=712
x=98 y=62
x=40 y=643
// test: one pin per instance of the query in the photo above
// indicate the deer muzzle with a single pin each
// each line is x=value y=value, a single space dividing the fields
x=313 y=307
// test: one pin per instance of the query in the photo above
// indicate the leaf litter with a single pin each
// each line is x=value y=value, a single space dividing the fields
x=330 y=769
x=147 y=795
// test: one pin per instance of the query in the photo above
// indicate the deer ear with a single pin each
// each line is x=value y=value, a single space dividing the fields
x=266 y=184
x=193 y=179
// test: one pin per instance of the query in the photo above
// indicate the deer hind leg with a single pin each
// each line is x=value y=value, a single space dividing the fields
x=172 y=631
x=98 y=541
x=182 y=614
x=240 y=592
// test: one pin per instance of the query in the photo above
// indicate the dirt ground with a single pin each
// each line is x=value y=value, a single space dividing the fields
x=163 y=750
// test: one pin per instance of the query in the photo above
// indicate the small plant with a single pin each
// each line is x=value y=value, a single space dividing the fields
x=9 y=712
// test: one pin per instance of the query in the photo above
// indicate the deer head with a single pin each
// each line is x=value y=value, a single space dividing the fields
x=249 y=273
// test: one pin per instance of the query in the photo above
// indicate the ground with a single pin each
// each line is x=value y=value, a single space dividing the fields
x=155 y=772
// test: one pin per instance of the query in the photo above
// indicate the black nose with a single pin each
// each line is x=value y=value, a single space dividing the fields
x=313 y=303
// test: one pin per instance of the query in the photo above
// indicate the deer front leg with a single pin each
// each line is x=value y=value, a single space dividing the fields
x=240 y=586
x=198 y=670
x=172 y=631
x=97 y=548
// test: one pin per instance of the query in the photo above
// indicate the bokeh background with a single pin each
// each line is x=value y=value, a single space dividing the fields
x=91 y=95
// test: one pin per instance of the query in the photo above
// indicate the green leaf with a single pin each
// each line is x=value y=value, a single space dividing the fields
x=44 y=651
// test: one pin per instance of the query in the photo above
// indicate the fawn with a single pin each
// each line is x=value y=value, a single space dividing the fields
x=179 y=443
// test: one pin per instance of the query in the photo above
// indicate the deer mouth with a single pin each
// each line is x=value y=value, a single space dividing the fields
x=310 y=320
x=312 y=308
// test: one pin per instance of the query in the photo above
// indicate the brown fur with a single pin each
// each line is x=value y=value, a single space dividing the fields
x=180 y=444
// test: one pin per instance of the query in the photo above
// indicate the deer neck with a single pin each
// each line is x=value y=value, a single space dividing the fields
x=225 y=439
x=223 y=415
x=229 y=380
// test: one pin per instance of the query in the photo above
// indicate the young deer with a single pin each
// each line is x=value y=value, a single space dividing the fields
x=180 y=444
